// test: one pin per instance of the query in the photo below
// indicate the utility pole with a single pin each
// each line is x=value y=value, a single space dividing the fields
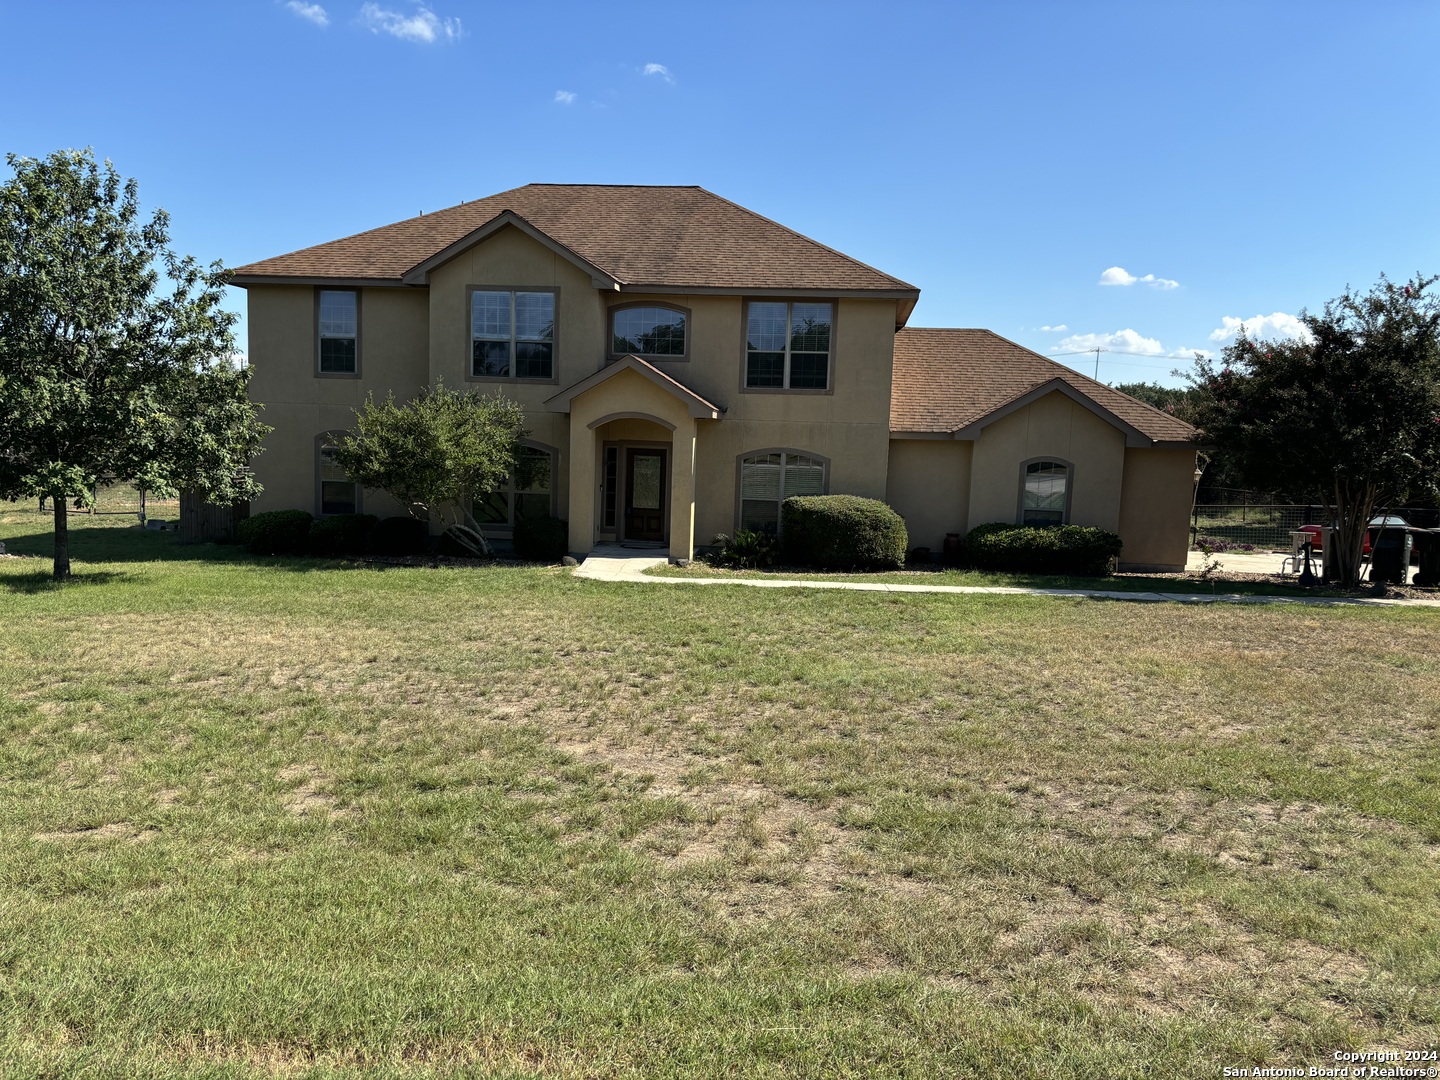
x=1098 y=351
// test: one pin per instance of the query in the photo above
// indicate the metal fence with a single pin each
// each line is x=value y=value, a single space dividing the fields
x=1267 y=526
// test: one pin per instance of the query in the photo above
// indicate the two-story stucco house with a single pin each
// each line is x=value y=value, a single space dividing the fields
x=686 y=364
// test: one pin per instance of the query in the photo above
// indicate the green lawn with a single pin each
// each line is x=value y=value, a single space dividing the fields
x=297 y=818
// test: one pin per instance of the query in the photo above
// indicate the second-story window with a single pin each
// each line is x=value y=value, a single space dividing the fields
x=787 y=345
x=512 y=334
x=649 y=331
x=339 y=332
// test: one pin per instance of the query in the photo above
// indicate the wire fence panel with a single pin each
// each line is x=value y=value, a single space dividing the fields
x=111 y=499
x=1267 y=526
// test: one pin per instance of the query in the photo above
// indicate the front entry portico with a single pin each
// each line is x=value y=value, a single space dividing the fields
x=632 y=456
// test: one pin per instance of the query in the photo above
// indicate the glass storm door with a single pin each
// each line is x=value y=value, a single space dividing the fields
x=645 y=495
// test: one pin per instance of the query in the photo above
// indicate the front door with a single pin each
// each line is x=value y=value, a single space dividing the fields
x=645 y=485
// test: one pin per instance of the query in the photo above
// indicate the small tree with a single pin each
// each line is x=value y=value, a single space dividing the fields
x=1349 y=418
x=110 y=372
x=437 y=454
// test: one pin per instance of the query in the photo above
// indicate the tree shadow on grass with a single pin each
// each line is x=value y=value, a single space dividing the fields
x=111 y=544
x=41 y=581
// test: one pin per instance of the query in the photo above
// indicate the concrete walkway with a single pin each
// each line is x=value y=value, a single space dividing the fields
x=610 y=562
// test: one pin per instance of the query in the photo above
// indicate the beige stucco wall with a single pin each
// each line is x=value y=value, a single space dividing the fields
x=299 y=404
x=1052 y=427
x=928 y=484
x=1155 y=505
x=410 y=337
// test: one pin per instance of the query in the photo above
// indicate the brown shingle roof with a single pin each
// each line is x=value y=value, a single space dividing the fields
x=947 y=379
x=667 y=236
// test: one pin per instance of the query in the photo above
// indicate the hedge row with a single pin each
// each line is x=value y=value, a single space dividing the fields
x=295 y=532
x=1053 y=549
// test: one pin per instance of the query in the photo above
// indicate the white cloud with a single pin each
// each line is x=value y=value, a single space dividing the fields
x=1118 y=275
x=1055 y=329
x=423 y=26
x=1275 y=325
x=659 y=69
x=564 y=97
x=309 y=12
x=1124 y=341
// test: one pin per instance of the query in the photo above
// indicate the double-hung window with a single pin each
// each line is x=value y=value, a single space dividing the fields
x=1045 y=493
x=767 y=479
x=787 y=345
x=338 y=493
x=512 y=334
x=526 y=494
x=339 y=331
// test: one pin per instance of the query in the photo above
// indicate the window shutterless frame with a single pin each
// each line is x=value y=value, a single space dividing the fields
x=329 y=486
x=1048 y=459
x=324 y=333
x=788 y=369
x=789 y=458
x=469 y=348
x=614 y=354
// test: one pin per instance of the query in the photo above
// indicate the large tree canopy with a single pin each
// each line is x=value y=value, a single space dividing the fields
x=1348 y=418
x=117 y=362
x=437 y=454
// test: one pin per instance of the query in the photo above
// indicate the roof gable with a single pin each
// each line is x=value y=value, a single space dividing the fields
x=696 y=405
x=955 y=382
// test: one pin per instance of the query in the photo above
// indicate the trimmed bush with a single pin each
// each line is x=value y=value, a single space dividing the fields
x=276 y=532
x=400 y=536
x=341 y=534
x=842 y=532
x=1053 y=549
x=542 y=539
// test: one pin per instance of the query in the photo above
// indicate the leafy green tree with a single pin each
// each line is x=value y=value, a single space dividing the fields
x=437 y=454
x=1349 y=418
x=1174 y=400
x=117 y=362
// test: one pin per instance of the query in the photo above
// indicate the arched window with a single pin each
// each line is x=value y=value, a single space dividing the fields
x=335 y=493
x=528 y=490
x=1045 y=492
x=769 y=477
x=651 y=331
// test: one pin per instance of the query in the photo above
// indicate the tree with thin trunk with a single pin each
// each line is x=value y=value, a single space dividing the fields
x=117 y=362
x=1347 y=417
x=439 y=454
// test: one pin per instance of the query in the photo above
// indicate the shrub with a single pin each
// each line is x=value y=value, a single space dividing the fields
x=399 y=536
x=341 y=534
x=842 y=532
x=542 y=539
x=276 y=532
x=1054 y=549
x=746 y=550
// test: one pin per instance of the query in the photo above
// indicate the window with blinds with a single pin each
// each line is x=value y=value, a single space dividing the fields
x=512 y=334
x=339 y=319
x=768 y=479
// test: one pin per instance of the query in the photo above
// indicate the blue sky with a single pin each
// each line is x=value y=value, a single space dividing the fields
x=1217 y=161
